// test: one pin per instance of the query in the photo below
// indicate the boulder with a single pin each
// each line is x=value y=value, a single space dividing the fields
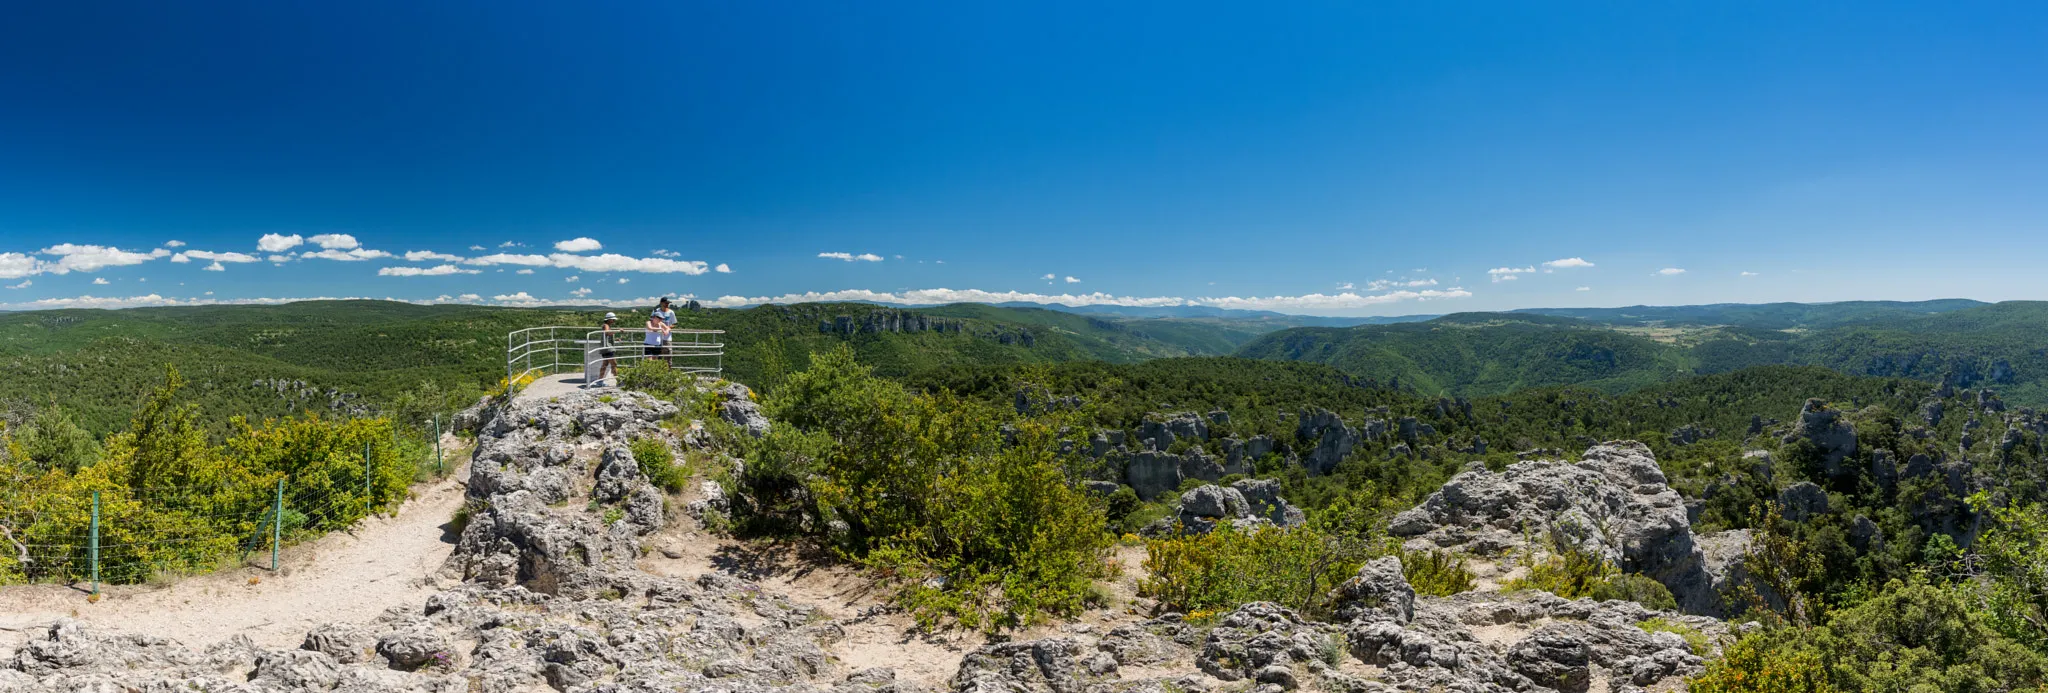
x=1614 y=503
x=1555 y=656
x=736 y=405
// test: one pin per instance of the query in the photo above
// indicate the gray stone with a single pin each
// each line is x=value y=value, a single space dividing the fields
x=1554 y=656
x=1803 y=500
x=1614 y=503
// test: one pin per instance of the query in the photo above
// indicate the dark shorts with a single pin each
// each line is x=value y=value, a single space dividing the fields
x=657 y=351
x=605 y=353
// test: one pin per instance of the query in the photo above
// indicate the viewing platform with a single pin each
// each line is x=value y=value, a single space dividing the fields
x=560 y=358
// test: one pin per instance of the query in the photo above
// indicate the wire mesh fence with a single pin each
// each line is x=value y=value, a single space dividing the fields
x=95 y=530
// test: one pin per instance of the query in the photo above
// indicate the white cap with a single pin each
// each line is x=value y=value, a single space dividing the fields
x=611 y=316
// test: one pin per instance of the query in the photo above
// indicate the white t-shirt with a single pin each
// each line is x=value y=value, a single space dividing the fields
x=655 y=338
x=669 y=317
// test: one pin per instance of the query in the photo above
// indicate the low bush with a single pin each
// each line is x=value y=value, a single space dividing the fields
x=1694 y=639
x=1295 y=567
x=969 y=522
x=1573 y=573
x=1761 y=663
x=654 y=377
x=658 y=462
x=1436 y=573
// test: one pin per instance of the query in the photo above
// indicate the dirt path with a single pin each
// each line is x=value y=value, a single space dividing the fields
x=386 y=561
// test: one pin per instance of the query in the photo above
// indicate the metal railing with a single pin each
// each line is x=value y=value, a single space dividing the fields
x=555 y=349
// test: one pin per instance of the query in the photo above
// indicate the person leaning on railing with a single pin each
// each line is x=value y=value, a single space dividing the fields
x=657 y=337
x=608 y=364
x=667 y=313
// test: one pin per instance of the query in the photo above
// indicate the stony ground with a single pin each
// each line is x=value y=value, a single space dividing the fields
x=575 y=574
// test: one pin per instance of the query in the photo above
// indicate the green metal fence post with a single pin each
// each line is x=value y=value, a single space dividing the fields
x=366 y=478
x=276 y=523
x=95 y=542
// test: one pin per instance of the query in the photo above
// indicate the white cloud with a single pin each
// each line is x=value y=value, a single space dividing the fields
x=18 y=265
x=518 y=299
x=664 y=252
x=608 y=262
x=99 y=281
x=579 y=244
x=1568 y=263
x=25 y=283
x=475 y=247
x=190 y=255
x=278 y=243
x=573 y=278
x=424 y=255
x=850 y=257
x=1748 y=274
x=209 y=293
x=1384 y=284
x=1583 y=288
x=1345 y=286
x=1049 y=277
x=469 y=297
x=1071 y=280
x=1310 y=302
x=215 y=267
x=585 y=291
x=435 y=271
x=1507 y=274
x=510 y=259
x=612 y=262
x=1320 y=302
x=1670 y=271
x=524 y=271
x=722 y=269
x=174 y=244
x=87 y=258
x=510 y=244
x=279 y=259
x=346 y=255
x=623 y=280
x=335 y=241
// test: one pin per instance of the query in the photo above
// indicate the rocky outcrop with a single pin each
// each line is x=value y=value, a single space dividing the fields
x=541 y=593
x=1614 y=503
x=736 y=405
x=1329 y=441
x=1245 y=505
x=1831 y=436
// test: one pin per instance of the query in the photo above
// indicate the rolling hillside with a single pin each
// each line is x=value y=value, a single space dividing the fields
x=98 y=363
x=2004 y=346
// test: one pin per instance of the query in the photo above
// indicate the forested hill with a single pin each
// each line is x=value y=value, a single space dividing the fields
x=1767 y=316
x=2002 y=345
x=262 y=361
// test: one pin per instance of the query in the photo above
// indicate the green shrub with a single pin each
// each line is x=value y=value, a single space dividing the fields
x=1568 y=572
x=654 y=377
x=1436 y=573
x=658 y=462
x=1202 y=574
x=1634 y=587
x=969 y=525
x=1760 y=663
x=1694 y=639
x=1573 y=573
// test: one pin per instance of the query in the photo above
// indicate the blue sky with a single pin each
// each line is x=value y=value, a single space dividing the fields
x=1318 y=157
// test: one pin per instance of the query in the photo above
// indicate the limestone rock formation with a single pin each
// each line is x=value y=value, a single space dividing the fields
x=1244 y=505
x=1614 y=502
